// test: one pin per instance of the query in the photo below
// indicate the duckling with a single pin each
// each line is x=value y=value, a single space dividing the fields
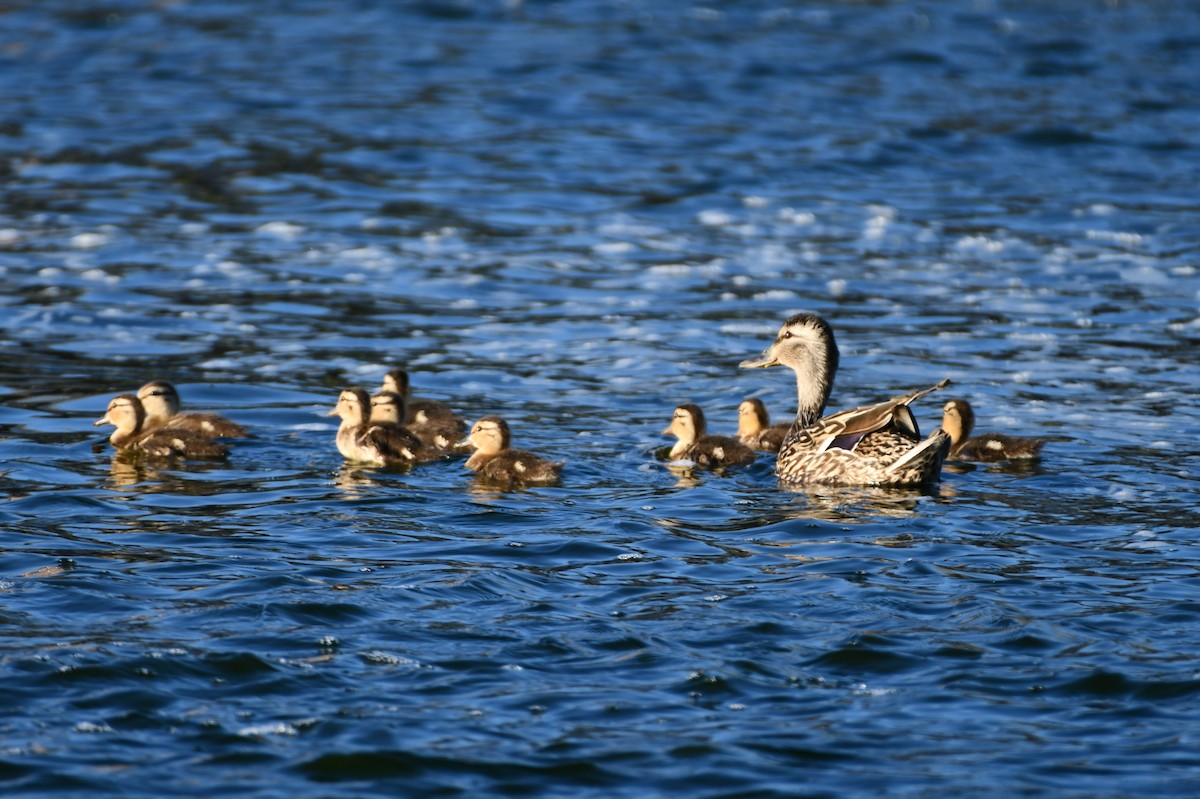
x=755 y=429
x=494 y=461
x=387 y=409
x=872 y=445
x=958 y=419
x=360 y=440
x=133 y=434
x=439 y=433
x=711 y=452
x=424 y=412
x=161 y=402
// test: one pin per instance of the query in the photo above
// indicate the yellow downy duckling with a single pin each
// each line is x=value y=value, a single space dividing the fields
x=872 y=445
x=127 y=414
x=375 y=444
x=958 y=419
x=387 y=409
x=495 y=461
x=710 y=452
x=161 y=402
x=755 y=429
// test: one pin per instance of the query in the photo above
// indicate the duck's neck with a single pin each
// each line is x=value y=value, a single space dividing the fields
x=813 y=386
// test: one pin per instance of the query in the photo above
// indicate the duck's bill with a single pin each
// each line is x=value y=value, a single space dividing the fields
x=766 y=359
x=101 y=421
x=462 y=443
x=333 y=412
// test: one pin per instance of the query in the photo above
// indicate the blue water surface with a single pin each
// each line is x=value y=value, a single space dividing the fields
x=578 y=215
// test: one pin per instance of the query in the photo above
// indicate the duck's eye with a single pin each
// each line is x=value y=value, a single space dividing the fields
x=786 y=334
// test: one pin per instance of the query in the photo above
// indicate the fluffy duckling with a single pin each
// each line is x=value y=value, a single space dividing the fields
x=161 y=402
x=424 y=412
x=958 y=419
x=358 y=439
x=873 y=445
x=387 y=409
x=133 y=434
x=711 y=452
x=755 y=429
x=494 y=460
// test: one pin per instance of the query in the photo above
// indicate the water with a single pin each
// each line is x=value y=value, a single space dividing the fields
x=577 y=216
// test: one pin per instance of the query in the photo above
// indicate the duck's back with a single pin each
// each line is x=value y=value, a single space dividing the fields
x=715 y=452
x=992 y=447
x=168 y=442
x=518 y=466
x=206 y=424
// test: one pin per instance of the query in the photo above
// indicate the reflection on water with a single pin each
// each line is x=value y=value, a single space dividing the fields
x=579 y=216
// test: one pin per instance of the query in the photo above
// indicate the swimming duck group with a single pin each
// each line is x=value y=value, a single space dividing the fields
x=877 y=444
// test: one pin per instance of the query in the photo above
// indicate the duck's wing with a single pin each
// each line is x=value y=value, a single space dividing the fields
x=846 y=429
x=392 y=442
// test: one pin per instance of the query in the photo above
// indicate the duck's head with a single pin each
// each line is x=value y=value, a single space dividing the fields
x=752 y=416
x=387 y=406
x=958 y=419
x=396 y=381
x=489 y=435
x=353 y=406
x=805 y=344
x=687 y=423
x=160 y=399
x=125 y=412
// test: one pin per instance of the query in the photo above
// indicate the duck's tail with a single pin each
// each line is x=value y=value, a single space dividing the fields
x=922 y=463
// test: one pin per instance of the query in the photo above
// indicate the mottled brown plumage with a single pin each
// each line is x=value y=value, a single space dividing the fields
x=872 y=445
x=958 y=419
x=135 y=435
x=755 y=429
x=494 y=460
x=710 y=452
x=162 y=404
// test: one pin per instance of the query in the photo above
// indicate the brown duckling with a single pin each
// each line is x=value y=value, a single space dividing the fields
x=755 y=429
x=494 y=460
x=423 y=412
x=133 y=434
x=387 y=409
x=358 y=439
x=958 y=419
x=161 y=402
x=710 y=452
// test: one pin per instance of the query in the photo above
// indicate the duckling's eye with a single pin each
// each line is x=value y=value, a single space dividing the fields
x=786 y=334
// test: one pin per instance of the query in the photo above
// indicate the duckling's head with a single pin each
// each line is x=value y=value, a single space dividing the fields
x=396 y=381
x=160 y=399
x=125 y=412
x=958 y=419
x=387 y=406
x=687 y=424
x=490 y=435
x=752 y=417
x=805 y=344
x=353 y=406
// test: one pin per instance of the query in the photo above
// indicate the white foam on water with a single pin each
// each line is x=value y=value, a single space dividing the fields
x=280 y=230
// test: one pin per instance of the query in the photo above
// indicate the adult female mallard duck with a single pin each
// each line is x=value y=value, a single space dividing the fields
x=495 y=461
x=694 y=444
x=755 y=429
x=873 y=445
x=375 y=444
x=423 y=412
x=161 y=402
x=958 y=419
x=133 y=434
x=387 y=409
